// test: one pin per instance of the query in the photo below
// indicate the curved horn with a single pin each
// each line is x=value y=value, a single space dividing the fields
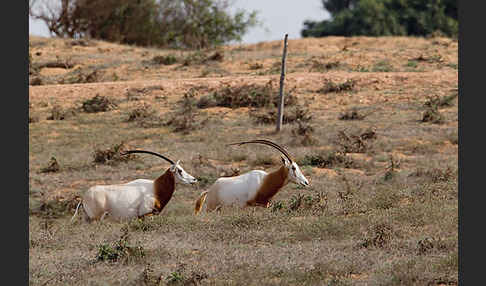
x=266 y=142
x=148 y=152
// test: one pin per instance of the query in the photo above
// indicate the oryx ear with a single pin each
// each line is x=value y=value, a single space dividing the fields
x=173 y=167
x=285 y=161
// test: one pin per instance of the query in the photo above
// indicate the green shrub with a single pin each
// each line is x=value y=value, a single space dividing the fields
x=98 y=103
x=141 y=112
x=112 y=155
x=331 y=86
x=328 y=160
x=354 y=143
x=164 y=60
x=247 y=95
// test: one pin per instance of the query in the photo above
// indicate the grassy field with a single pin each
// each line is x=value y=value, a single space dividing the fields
x=372 y=122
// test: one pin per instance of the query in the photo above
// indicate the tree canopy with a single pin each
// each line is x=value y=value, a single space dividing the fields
x=385 y=18
x=175 y=23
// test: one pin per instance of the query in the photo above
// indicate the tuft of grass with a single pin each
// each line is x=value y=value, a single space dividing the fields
x=53 y=208
x=299 y=200
x=406 y=273
x=181 y=276
x=354 y=143
x=98 y=103
x=147 y=277
x=319 y=66
x=164 y=60
x=316 y=203
x=112 y=155
x=37 y=80
x=291 y=115
x=174 y=278
x=58 y=113
x=231 y=172
x=143 y=224
x=195 y=58
x=331 y=86
x=412 y=63
x=384 y=199
x=255 y=66
x=134 y=93
x=204 y=181
x=82 y=76
x=184 y=119
x=360 y=68
x=140 y=112
x=216 y=56
x=52 y=166
x=382 y=66
x=436 y=175
x=304 y=132
x=352 y=114
x=120 y=250
x=378 y=236
x=347 y=196
x=33 y=68
x=145 y=116
x=453 y=138
x=263 y=160
x=432 y=115
x=328 y=160
x=390 y=171
x=437 y=58
x=202 y=57
x=437 y=101
x=33 y=119
x=429 y=244
x=58 y=63
x=81 y=42
x=452 y=65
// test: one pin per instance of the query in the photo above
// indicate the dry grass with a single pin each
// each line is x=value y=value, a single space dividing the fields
x=382 y=205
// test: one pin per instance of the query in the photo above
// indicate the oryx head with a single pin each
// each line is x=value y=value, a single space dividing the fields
x=175 y=168
x=181 y=175
x=295 y=174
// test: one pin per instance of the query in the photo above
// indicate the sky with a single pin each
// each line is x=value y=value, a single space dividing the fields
x=278 y=16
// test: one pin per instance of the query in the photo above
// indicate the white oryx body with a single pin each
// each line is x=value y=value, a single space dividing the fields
x=136 y=198
x=243 y=188
x=254 y=188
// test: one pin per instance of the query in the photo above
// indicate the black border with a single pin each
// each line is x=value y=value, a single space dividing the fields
x=15 y=144
x=471 y=89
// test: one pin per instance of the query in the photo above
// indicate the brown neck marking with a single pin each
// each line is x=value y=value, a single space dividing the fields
x=272 y=183
x=164 y=187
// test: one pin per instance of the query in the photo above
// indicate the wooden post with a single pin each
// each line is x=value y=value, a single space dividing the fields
x=281 y=94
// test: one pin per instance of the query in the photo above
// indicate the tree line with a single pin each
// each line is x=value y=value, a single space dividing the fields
x=199 y=24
